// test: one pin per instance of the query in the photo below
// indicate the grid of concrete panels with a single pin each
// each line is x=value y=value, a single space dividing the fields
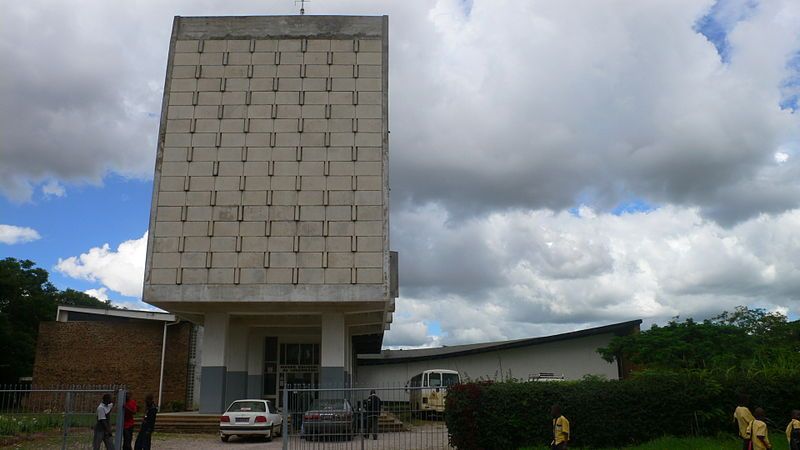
x=272 y=164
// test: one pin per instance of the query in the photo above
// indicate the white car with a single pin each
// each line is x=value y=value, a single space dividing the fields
x=252 y=417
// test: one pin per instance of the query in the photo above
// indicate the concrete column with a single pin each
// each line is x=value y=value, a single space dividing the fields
x=332 y=350
x=348 y=358
x=255 y=365
x=236 y=375
x=212 y=372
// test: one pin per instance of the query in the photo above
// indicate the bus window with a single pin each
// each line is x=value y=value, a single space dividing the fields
x=435 y=379
x=415 y=381
x=449 y=379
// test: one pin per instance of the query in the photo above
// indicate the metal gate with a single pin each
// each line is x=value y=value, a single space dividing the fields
x=408 y=418
x=53 y=418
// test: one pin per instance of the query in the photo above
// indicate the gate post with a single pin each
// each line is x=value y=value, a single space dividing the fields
x=67 y=406
x=361 y=426
x=120 y=418
x=285 y=413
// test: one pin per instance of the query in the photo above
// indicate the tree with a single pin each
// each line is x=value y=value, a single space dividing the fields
x=744 y=339
x=27 y=298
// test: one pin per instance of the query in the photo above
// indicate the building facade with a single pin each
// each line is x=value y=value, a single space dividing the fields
x=269 y=219
x=148 y=352
x=568 y=356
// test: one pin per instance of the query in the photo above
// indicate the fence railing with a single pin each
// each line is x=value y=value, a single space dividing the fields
x=63 y=413
x=398 y=417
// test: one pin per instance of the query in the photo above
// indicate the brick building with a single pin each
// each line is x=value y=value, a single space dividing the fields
x=87 y=346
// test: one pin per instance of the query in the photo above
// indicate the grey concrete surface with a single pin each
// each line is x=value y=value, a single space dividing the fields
x=425 y=437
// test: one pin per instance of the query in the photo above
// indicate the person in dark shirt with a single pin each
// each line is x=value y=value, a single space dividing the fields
x=148 y=425
x=373 y=407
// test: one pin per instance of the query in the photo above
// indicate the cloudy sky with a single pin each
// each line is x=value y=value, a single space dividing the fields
x=554 y=165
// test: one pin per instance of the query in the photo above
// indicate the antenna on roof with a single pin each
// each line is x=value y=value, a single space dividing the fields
x=302 y=5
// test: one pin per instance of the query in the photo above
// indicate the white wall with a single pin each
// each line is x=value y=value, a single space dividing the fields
x=574 y=358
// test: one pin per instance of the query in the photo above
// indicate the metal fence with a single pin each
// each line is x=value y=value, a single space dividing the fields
x=61 y=417
x=408 y=418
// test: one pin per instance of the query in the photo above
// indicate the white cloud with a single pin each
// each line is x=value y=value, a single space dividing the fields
x=781 y=157
x=53 y=189
x=100 y=294
x=541 y=272
x=121 y=271
x=502 y=115
x=542 y=103
x=11 y=234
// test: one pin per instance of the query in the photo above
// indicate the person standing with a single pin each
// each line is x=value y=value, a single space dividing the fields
x=743 y=417
x=373 y=407
x=793 y=431
x=102 y=429
x=758 y=433
x=130 y=409
x=148 y=424
x=560 y=429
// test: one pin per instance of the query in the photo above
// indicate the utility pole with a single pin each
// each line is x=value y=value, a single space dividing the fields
x=302 y=5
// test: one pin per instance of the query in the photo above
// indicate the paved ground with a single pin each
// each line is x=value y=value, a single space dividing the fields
x=424 y=437
x=428 y=437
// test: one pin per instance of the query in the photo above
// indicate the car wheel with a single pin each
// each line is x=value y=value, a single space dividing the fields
x=268 y=437
x=224 y=437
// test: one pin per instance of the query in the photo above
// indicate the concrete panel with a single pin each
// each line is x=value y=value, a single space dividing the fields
x=235 y=386
x=255 y=385
x=212 y=389
x=331 y=376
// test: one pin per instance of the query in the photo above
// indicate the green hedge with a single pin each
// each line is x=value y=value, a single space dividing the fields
x=605 y=413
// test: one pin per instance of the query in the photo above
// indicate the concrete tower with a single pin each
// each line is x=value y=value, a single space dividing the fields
x=269 y=222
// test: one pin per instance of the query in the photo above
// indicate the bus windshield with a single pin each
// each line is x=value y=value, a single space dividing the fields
x=449 y=379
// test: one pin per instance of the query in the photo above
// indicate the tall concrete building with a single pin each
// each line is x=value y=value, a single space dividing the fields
x=269 y=222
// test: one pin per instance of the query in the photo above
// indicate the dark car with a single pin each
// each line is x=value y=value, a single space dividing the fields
x=329 y=418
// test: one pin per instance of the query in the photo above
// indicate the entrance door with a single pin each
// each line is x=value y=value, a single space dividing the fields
x=270 y=390
x=299 y=379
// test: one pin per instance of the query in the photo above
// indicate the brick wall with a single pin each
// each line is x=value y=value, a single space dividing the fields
x=106 y=353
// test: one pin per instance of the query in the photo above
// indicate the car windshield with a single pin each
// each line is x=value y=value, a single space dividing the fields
x=329 y=405
x=248 y=407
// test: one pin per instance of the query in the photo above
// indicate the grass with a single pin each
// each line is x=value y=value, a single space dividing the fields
x=777 y=439
x=15 y=424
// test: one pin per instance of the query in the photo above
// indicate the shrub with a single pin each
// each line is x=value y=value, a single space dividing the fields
x=611 y=413
x=176 y=406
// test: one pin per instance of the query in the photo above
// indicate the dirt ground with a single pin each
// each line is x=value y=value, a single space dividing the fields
x=427 y=437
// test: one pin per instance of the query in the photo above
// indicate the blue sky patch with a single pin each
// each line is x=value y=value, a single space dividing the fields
x=87 y=216
x=790 y=88
x=720 y=20
x=636 y=206
x=434 y=328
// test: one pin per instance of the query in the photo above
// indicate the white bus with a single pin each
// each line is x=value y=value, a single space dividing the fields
x=429 y=388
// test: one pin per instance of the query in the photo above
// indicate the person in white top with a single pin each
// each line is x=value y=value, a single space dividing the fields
x=102 y=429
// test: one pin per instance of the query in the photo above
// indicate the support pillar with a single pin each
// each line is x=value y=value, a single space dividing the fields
x=255 y=365
x=213 y=370
x=236 y=374
x=333 y=348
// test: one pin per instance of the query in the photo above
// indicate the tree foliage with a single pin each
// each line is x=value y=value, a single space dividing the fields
x=26 y=298
x=742 y=340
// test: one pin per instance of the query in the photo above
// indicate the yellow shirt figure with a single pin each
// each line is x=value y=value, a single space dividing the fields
x=560 y=430
x=743 y=417
x=793 y=425
x=757 y=430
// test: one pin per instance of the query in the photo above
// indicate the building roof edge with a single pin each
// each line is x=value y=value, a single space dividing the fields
x=404 y=356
